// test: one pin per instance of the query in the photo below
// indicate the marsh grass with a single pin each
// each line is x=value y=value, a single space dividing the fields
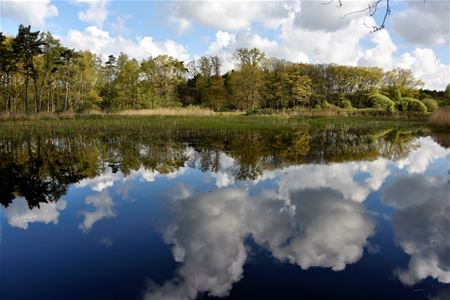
x=166 y=125
x=187 y=111
x=441 y=119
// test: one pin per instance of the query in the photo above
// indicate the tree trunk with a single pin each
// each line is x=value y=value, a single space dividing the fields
x=26 y=94
x=66 y=95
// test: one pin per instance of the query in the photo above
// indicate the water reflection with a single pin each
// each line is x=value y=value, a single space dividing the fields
x=103 y=208
x=41 y=168
x=310 y=228
x=422 y=225
x=20 y=215
x=309 y=199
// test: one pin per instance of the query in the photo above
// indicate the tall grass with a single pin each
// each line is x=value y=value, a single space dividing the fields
x=187 y=111
x=164 y=125
x=441 y=119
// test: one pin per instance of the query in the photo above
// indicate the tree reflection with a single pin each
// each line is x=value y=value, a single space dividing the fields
x=40 y=168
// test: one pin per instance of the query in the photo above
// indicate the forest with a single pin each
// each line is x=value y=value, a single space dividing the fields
x=39 y=74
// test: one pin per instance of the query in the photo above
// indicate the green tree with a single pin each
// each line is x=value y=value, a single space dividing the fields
x=8 y=69
x=447 y=92
x=404 y=80
x=28 y=44
x=247 y=80
x=108 y=87
x=128 y=81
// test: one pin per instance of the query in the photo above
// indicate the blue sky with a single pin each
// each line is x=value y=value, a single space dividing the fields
x=417 y=34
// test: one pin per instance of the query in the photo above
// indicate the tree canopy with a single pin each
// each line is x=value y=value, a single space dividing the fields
x=38 y=73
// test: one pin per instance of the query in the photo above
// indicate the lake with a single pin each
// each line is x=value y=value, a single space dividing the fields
x=329 y=213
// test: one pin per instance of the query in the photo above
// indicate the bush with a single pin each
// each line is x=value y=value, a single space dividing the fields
x=395 y=94
x=414 y=105
x=431 y=104
x=382 y=102
x=327 y=105
x=346 y=104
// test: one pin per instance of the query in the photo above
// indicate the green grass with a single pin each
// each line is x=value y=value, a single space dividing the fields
x=165 y=124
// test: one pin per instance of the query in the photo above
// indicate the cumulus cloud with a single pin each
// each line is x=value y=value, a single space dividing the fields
x=103 y=209
x=382 y=55
x=312 y=228
x=101 y=42
x=28 y=12
x=225 y=43
x=427 y=67
x=19 y=215
x=421 y=226
x=231 y=15
x=341 y=46
x=96 y=12
x=430 y=20
x=314 y=15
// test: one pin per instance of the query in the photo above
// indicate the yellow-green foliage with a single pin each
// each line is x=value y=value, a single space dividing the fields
x=346 y=104
x=381 y=101
x=327 y=105
x=413 y=105
x=431 y=104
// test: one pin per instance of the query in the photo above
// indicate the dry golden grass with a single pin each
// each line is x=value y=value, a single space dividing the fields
x=441 y=118
x=188 y=111
x=37 y=116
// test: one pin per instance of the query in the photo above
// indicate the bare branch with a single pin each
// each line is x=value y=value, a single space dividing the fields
x=371 y=10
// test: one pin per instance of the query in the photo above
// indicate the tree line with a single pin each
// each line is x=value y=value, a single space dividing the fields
x=39 y=74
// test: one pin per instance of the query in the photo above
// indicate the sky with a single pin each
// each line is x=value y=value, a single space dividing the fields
x=416 y=37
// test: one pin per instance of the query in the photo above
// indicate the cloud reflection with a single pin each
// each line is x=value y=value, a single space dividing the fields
x=19 y=215
x=422 y=226
x=103 y=205
x=313 y=228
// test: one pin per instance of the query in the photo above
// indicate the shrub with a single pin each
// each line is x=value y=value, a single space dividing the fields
x=402 y=105
x=395 y=94
x=431 y=104
x=346 y=104
x=415 y=105
x=327 y=105
x=382 y=102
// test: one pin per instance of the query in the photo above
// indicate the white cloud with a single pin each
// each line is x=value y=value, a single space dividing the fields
x=103 y=205
x=28 y=12
x=102 y=43
x=231 y=15
x=318 y=228
x=421 y=226
x=382 y=55
x=96 y=12
x=430 y=21
x=19 y=215
x=226 y=43
x=341 y=46
x=427 y=67
x=316 y=15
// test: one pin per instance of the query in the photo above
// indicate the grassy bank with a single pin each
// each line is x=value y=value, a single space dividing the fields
x=229 y=122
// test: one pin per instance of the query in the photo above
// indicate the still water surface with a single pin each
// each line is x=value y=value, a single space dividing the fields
x=330 y=214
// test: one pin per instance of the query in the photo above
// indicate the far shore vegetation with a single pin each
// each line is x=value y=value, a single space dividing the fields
x=42 y=79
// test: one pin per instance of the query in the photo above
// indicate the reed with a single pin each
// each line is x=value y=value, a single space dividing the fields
x=441 y=119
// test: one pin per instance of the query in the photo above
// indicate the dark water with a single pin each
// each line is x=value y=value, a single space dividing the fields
x=331 y=214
